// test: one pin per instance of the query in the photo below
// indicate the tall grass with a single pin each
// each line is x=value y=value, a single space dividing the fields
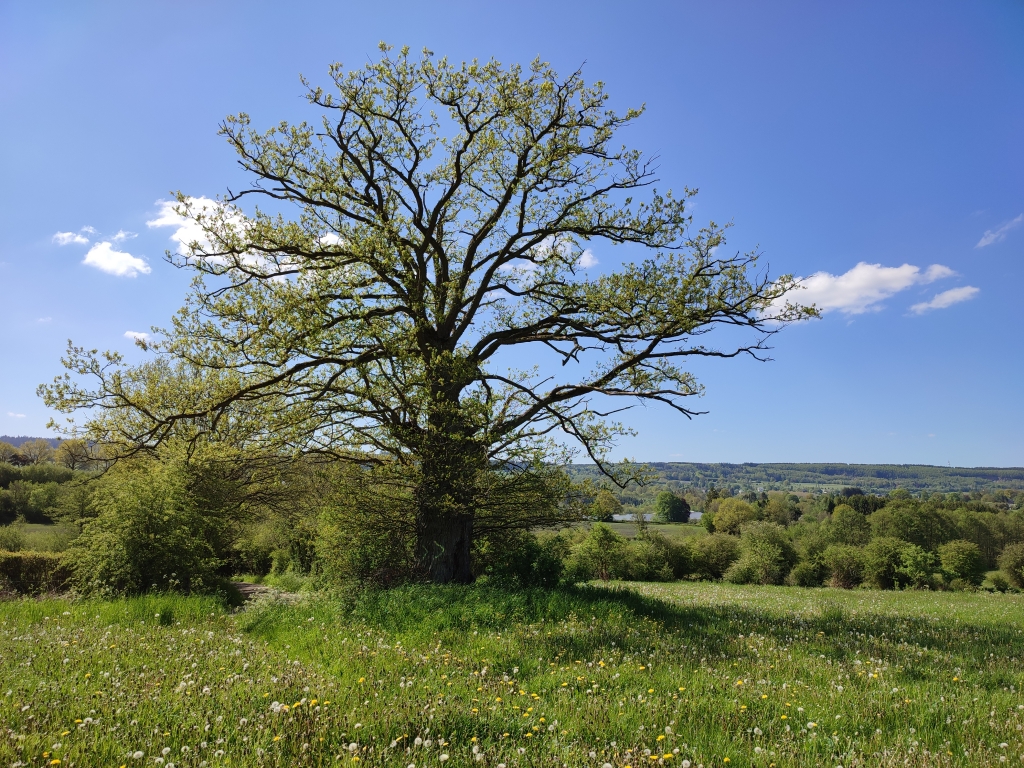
x=687 y=674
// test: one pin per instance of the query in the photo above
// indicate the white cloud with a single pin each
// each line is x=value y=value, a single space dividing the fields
x=105 y=258
x=999 y=234
x=44 y=320
x=946 y=299
x=88 y=229
x=124 y=235
x=66 y=238
x=588 y=259
x=864 y=287
x=14 y=415
x=136 y=335
x=185 y=230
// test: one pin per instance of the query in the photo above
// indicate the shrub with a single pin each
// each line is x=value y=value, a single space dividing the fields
x=150 y=533
x=11 y=538
x=1011 y=563
x=999 y=582
x=918 y=566
x=732 y=515
x=598 y=556
x=883 y=558
x=806 y=573
x=845 y=565
x=525 y=560
x=711 y=555
x=766 y=555
x=654 y=557
x=962 y=560
x=33 y=573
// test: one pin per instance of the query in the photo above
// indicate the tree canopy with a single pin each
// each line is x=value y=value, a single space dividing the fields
x=429 y=234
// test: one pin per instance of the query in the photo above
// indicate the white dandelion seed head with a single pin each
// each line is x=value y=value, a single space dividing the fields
x=417 y=742
x=443 y=758
x=353 y=747
x=165 y=751
x=138 y=754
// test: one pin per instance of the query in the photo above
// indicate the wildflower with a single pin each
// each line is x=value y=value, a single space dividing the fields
x=353 y=747
x=55 y=762
x=138 y=755
x=165 y=751
x=444 y=758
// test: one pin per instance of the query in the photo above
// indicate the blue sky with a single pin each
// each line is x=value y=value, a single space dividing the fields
x=832 y=134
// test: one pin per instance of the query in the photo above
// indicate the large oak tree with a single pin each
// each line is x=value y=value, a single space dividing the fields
x=430 y=234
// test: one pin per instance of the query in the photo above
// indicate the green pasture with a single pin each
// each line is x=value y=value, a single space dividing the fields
x=684 y=674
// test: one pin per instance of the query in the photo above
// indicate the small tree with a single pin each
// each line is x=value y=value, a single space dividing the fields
x=962 y=560
x=36 y=451
x=847 y=526
x=445 y=215
x=732 y=514
x=7 y=452
x=605 y=506
x=599 y=554
x=669 y=508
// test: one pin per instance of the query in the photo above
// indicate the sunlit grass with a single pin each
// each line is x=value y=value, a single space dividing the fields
x=676 y=674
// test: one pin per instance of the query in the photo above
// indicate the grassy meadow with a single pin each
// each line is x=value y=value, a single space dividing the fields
x=685 y=674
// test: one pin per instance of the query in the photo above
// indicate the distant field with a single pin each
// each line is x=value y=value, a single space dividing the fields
x=682 y=674
x=670 y=530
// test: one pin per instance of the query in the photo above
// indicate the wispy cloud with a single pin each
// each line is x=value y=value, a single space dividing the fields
x=999 y=234
x=864 y=288
x=67 y=238
x=587 y=259
x=946 y=299
x=102 y=256
x=136 y=335
x=14 y=415
x=124 y=235
x=44 y=320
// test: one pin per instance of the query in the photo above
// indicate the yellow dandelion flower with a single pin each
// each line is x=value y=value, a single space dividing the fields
x=650 y=690
x=55 y=762
x=362 y=679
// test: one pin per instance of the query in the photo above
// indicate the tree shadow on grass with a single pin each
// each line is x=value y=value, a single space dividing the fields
x=584 y=621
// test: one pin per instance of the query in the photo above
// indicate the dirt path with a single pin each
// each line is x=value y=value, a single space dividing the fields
x=250 y=591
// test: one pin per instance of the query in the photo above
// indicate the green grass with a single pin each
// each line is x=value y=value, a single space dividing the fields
x=699 y=672
x=669 y=530
x=36 y=537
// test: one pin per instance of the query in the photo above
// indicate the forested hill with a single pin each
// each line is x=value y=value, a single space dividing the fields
x=871 y=478
x=17 y=441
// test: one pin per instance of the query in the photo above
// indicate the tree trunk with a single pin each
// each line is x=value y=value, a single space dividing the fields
x=443 y=548
x=450 y=460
